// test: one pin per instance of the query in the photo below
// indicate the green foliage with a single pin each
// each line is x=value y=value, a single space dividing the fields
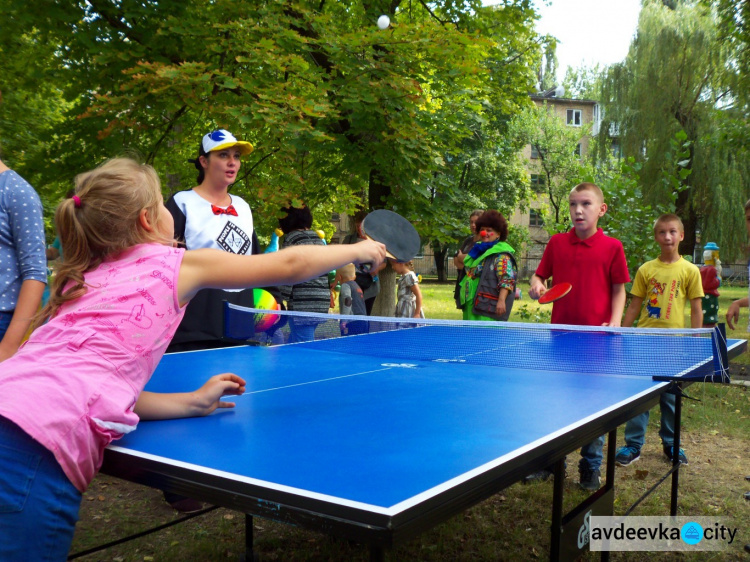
x=681 y=77
x=547 y=74
x=734 y=28
x=528 y=313
x=32 y=108
x=518 y=238
x=628 y=218
x=555 y=144
x=584 y=82
x=341 y=113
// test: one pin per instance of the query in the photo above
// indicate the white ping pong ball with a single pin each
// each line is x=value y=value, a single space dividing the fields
x=384 y=21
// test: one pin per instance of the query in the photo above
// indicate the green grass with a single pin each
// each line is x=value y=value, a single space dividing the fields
x=438 y=303
x=511 y=525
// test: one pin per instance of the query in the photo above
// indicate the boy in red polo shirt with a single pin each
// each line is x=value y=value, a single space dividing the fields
x=594 y=264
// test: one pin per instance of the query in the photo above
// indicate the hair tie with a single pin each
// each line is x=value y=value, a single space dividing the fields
x=76 y=201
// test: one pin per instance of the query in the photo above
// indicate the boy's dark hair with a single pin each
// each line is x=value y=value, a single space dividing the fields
x=669 y=217
x=495 y=221
x=295 y=219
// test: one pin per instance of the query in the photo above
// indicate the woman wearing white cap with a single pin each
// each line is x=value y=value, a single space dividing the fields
x=208 y=216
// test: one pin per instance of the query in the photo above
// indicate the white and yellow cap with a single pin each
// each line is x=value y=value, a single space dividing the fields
x=221 y=139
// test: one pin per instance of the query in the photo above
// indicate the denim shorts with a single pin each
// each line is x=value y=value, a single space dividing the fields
x=38 y=504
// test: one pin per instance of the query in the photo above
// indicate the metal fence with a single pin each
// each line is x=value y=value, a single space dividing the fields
x=734 y=273
x=424 y=264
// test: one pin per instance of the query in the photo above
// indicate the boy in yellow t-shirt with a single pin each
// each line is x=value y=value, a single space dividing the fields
x=665 y=284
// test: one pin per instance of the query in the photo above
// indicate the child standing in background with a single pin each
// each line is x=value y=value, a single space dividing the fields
x=595 y=265
x=665 y=285
x=116 y=303
x=409 y=297
x=351 y=301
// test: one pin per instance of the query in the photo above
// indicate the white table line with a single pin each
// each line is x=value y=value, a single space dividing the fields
x=317 y=381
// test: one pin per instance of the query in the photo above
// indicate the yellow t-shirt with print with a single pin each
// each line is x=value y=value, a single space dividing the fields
x=665 y=289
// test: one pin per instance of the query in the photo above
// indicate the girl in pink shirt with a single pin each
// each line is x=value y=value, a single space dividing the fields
x=117 y=300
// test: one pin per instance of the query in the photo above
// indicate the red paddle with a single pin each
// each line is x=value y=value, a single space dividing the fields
x=556 y=292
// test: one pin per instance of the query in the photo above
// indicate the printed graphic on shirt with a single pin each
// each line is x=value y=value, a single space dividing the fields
x=233 y=239
x=138 y=317
x=655 y=292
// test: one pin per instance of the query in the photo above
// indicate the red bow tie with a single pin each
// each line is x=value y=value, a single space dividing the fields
x=228 y=211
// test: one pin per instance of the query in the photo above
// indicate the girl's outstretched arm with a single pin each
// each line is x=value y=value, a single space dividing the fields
x=201 y=402
x=203 y=269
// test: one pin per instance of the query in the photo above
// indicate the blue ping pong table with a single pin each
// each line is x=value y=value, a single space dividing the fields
x=367 y=439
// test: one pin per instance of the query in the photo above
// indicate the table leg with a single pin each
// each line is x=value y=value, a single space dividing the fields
x=557 y=509
x=610 y=483
x=611 y=454
x=249 y=555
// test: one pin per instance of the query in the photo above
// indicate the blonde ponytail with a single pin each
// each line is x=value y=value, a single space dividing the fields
x=101 y=220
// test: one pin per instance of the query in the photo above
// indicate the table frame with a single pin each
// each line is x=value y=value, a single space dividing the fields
x=381 y=531
x=377 y=530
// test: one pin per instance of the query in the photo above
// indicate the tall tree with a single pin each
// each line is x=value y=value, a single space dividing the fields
x=675 y=79
x=32 y=108
x=484 y=169
x=584 y=82
x=340 y=112
x=547 y=70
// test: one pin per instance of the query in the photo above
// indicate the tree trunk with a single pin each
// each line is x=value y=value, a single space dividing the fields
x=385 y=304
x=173 y=180
x=440 y=251
x=685 y=211
x=683 y=204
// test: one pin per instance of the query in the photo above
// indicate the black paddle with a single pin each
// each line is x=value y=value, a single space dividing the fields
x=398 y=234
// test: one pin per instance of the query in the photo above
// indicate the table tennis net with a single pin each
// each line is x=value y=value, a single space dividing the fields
x=554 y=348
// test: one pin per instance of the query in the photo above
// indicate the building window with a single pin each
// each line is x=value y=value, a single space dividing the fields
x=535 y=152
x=573 y=117
x=535 y=219
x=616 y=148
x=537 y=183
x=577 y=150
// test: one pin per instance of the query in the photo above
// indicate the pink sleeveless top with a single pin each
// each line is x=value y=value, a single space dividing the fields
x=73 y=385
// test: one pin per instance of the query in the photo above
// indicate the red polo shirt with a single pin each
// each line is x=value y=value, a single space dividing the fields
x=591 y=266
